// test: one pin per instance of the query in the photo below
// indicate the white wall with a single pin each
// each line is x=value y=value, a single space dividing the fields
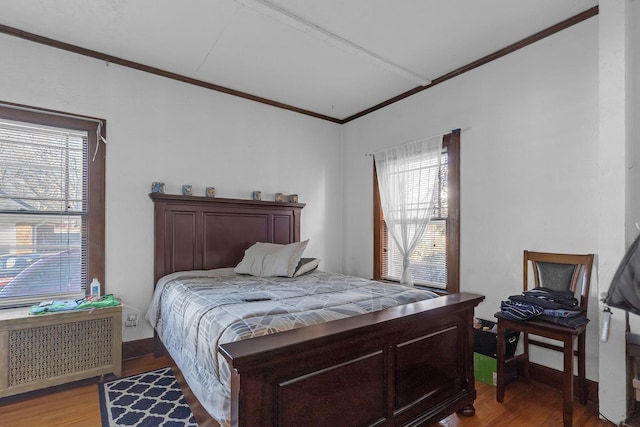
x=163 y=130
x=633 y=85
x=614 y=199
x=529 y=147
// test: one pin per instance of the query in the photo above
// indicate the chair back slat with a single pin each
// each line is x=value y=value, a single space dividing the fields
x=559 y=272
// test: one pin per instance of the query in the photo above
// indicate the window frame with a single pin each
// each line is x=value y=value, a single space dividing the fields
x=95 y=227
x=450 y=142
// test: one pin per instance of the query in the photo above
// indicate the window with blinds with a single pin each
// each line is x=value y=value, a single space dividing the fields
x=43 y=212
x=436 y=262
x=429 y=261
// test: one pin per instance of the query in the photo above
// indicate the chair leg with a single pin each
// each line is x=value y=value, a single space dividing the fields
x=500 y=359
x=525 y=356
x=582 y=379
x=567 y=382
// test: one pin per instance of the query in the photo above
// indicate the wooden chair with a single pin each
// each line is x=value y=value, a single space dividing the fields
x=559 y=272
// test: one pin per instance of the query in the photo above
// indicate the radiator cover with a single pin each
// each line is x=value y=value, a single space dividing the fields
x=46 y=350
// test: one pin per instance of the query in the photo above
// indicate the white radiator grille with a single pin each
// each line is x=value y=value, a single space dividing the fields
x=44 y=352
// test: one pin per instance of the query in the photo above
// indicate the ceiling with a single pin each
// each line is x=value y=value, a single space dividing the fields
x=333 y=58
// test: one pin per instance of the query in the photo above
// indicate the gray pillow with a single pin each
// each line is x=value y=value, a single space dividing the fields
x=306 y=265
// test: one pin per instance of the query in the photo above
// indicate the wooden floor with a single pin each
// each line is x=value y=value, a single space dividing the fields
x=71 y=406
x=524 y=405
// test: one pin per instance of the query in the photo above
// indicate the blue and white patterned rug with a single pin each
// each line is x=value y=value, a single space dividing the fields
x=151 y=399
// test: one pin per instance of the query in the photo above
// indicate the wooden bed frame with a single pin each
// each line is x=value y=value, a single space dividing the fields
x=404 y=366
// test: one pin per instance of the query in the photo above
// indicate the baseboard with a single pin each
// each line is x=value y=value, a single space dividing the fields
x=553 y=378
x=137 y=348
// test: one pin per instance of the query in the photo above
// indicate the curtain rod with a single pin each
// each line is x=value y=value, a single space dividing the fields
x=69 y=116
x=453 y=131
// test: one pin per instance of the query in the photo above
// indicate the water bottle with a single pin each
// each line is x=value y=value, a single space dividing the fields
x=95 y=288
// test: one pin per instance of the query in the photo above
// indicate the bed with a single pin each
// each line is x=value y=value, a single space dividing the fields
x=407 y=365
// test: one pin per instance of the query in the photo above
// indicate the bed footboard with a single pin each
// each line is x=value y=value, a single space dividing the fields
x=405 y=366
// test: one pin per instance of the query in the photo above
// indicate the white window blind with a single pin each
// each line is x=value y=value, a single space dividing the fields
x=43 y=213
x=429 y=261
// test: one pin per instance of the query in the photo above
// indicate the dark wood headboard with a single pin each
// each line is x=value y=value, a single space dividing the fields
x=200 y=233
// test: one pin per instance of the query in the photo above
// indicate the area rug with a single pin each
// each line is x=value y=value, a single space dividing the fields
x=151 y=399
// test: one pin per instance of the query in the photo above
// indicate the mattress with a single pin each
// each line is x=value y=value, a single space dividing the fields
x=194 y=312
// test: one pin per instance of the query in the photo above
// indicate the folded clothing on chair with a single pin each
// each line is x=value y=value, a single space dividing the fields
x=571 y=322
x=559 y=307
x=564 y=299
x=520 y=310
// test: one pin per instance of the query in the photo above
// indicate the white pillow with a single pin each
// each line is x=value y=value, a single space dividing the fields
x=270 y=259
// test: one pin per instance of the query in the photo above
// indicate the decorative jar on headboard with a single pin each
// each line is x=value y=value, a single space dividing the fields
x=157 y=187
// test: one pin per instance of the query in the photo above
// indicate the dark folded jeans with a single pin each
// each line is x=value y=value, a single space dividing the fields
x=570 y=322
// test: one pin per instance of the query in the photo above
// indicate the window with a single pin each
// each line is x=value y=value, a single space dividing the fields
x=51 y=205
x=435 y=263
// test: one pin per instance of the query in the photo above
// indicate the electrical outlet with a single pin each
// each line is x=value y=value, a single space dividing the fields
x=132 y=320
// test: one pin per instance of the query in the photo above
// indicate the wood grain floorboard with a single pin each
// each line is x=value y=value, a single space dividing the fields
x=524 y=405
x=76 y=406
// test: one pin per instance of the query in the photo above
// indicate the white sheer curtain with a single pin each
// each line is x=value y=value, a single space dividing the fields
x=408 y=180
